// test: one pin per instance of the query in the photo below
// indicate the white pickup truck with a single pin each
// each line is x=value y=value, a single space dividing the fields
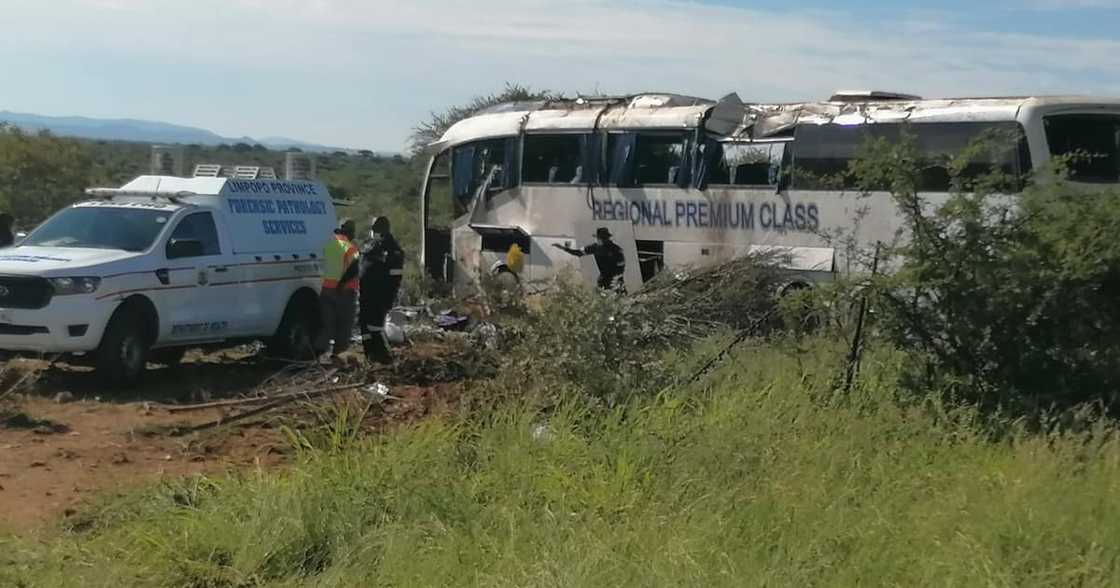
x=163 y=264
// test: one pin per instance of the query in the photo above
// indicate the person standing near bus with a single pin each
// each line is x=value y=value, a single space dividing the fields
x=7 y=230
x=381 y=273
x=608 y=257
x=338 y=297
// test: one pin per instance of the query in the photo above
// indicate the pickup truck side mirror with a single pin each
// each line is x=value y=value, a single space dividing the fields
x=180 y=248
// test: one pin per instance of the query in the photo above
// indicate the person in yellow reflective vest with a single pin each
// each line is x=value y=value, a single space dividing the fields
x=515 y=259
x=339 y=296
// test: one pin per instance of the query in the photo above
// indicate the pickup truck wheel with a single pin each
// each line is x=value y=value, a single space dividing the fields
x=123 y=353
x=295 y=338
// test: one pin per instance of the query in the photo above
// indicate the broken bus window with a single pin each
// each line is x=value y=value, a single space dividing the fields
x=471 y=163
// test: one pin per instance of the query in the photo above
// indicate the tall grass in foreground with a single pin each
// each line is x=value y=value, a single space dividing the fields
x=757 y=475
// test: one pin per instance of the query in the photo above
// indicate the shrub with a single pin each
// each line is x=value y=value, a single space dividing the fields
x=1009 y=299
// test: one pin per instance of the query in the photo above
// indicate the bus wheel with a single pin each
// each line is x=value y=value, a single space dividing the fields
x=123 y=353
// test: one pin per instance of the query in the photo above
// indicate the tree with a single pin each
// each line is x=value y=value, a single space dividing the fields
x=432 y=129
x=40 y=173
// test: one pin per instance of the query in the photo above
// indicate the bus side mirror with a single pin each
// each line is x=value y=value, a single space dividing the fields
x=180 y=248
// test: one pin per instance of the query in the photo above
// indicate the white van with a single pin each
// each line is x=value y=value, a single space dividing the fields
x=163 y=264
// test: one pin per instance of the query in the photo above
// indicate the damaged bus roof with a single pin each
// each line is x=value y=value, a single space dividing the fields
x=732 y=118
x=664 y=111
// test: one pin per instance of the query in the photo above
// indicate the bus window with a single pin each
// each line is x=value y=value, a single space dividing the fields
x=553 y=159
x=1002 y=148
x=749 y=164
x=823 y=153
x=442 y=208
x=471 y=164
x=1091 y=141
x=659 y=159
x=620 y=159
x=642 y=159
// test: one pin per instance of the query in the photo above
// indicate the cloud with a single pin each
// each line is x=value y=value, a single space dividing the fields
x=386 y=63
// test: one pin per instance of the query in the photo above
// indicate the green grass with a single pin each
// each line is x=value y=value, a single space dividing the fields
x=757 y=475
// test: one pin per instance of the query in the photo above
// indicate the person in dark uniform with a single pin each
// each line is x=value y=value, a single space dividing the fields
x=381 y=272
x=608 y=257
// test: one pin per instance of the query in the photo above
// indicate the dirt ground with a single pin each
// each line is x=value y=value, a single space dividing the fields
x=65 y=441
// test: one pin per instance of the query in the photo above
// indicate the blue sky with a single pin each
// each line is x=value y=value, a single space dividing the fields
x=361 y=73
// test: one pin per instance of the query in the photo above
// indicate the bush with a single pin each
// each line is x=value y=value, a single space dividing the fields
x=1011 y=300
x=606 y=349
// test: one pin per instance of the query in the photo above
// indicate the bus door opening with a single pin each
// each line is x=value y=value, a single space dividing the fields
x=651 y=258
x=440 y=211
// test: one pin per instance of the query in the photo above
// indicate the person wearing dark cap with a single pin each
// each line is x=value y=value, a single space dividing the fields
x=7 y=231
x=338 y=297
x=608 y=257
x=382 y=269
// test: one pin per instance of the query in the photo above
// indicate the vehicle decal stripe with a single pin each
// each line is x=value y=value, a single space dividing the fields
x=173 y=269
x=123 y=292
x=263 y=280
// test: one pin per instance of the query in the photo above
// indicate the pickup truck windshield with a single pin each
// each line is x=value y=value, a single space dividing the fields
x=128 y=229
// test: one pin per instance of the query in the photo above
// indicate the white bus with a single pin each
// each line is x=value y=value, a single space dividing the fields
x=683 y=181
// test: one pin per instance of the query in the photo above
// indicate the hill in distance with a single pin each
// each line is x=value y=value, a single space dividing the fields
x=143 y=131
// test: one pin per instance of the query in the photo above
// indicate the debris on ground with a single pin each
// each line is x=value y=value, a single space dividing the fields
x=449 y=320
x=215 y=413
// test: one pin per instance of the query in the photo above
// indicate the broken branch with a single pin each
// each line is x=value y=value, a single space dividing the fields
x=277 y=402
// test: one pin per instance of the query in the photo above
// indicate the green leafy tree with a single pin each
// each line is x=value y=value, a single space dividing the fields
x=431 y=130
x=40 y=173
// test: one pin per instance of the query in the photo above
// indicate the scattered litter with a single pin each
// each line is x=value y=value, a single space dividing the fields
x=410 y=313
x=394 y=332
x=449 y=320
x=376 y=391
x=541 y=432
x=420 y=333
x=487 y=335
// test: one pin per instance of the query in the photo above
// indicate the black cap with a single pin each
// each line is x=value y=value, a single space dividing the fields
x=346 y=226
x=602 y=233
x=380 y=225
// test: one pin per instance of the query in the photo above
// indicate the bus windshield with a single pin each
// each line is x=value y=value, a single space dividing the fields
x=100 y=228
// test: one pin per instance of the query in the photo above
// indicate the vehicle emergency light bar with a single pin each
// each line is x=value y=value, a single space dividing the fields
x=109 y=193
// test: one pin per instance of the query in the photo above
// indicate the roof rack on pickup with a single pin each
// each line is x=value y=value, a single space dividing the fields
x=237 y=172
